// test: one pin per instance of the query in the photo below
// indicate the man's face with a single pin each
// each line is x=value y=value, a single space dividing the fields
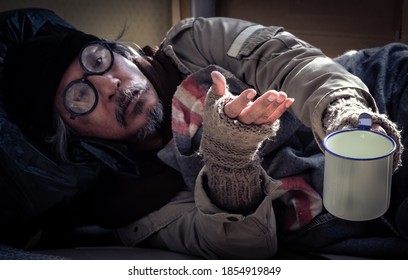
x=128 y=106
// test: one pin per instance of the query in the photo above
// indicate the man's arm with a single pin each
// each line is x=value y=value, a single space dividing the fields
x=234 y=129
x=267 y=58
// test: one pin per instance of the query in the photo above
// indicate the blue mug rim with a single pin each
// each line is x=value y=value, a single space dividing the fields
x=394 y=144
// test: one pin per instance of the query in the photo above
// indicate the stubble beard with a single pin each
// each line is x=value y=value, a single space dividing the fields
x=154 y=120
x=154 y=115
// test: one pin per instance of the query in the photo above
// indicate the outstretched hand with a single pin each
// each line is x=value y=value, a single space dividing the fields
x=268 y=108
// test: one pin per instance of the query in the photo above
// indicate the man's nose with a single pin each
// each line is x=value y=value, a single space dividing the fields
x=106 y=85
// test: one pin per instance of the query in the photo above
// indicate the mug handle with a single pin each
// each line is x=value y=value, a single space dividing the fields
x=365 y=121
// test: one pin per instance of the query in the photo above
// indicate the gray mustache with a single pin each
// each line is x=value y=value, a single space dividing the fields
x=124 y=98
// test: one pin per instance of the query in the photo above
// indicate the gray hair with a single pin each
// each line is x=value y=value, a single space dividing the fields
x=59 y=140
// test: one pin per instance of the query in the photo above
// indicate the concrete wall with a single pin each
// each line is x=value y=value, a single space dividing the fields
x=147 y=21
x=334 y=26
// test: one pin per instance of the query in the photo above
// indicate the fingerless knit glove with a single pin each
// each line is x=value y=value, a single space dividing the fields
x=232 y=167
x=343 y=114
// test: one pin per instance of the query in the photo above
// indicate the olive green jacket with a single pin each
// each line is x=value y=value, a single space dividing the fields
x=264 y=58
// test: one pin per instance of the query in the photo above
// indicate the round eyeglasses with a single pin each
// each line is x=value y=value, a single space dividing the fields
x=80 y=96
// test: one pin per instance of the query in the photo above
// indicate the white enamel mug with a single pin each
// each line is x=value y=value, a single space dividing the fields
x=357 y=172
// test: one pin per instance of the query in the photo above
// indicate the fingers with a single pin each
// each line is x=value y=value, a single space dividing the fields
x=234 y=108
x=219 y=86
x=378 y=128
x=266 y=109
x=276 y=113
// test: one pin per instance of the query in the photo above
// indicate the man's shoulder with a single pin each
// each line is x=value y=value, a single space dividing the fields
x=178 y=28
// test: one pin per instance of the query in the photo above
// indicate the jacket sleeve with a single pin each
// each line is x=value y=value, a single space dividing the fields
x=266 y=58
x=194 y=225
x=229 y=148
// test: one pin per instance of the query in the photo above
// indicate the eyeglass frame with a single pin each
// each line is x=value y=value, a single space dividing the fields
x=84 y=80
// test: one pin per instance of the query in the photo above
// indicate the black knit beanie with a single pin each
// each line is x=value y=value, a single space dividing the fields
x=32 y=72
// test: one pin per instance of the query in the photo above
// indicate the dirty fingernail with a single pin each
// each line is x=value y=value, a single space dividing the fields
x=289 y=102
x=271 y=97
x=251 y=95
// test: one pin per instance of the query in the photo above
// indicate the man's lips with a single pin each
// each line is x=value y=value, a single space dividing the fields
x=130 y=99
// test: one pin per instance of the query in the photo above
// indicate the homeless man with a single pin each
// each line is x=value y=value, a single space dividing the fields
x=206 y=118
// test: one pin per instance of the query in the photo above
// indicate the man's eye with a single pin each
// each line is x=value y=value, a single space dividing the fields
x=80 y=98
x=98 y=63
x=96 y=59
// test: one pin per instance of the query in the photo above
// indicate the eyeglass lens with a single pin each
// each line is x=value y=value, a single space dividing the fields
x=96 y=59
x=81 y=96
